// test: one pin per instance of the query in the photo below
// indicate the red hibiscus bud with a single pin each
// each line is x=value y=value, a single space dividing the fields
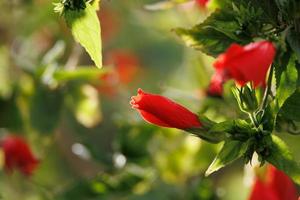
x=248 y=63
x=18 y=155
x=202 y=3
x=275 y=186
x=162 y=111
x=215 y=88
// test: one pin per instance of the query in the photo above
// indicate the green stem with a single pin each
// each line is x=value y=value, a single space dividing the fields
x=267 y=91
x=253 y=119
x=263 y=105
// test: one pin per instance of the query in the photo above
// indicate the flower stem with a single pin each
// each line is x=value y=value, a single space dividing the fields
x=263 y=105
x=253 y=119
x=267 y=91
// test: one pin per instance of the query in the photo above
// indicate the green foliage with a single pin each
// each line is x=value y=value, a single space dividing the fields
x=230 y=151
x=280 y=65
x=246 y=98
x=205 y=133
x=287 y=82
x=238 y=22
x=241 y=22
x=215 y=34
x=203 y=190
x=85 y=104
x=281 y=157
x=270 y=10
x=108 y=186
x=85 y=28
x=45 y=109
x=293 y=39
x=10 y=116
x=80 y=190
x=135 y=138
x=55 y=97
x=291 y=106
x=289 y=9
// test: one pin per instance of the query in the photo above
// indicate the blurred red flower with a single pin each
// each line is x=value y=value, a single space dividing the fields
x=202 y=3
x=274 y=186
x=162 y=111
x=110 y=23
x=108 y=84
x=18 y=155
x=215 y=88
x=125 y=67
x=248 y=63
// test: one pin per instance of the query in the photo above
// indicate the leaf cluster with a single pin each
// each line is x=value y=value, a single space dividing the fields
x=242 y=22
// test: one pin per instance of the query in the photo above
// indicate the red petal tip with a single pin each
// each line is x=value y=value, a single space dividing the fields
x=140 y=91
x=133 y=102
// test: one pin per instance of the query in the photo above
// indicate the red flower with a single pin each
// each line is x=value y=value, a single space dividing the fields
x=108 y=84
x=18 y=155
x=215 y=87
x=248 y=63
x=202 y=3
x=164 y=112
x=110 y=23
x=276 y=186
x=125 y=67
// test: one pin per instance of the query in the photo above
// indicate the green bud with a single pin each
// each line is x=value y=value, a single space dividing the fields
x=246 y=99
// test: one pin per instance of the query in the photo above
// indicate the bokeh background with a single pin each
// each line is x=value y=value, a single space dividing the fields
x=77 y=118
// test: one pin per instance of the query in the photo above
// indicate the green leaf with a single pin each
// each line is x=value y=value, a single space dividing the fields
x=268 y=6
x=281 y=64
x=96 y=4
x=216 y=132
x=86 y=30
x=290 y=108
x=204 y=131
x=215 y=34
x=293 y=38
x=287 y=82
x=270 y=13
x=230 y=151
x=238 y=21
x=281 y=158
x=45 y=109
x=226 y=126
